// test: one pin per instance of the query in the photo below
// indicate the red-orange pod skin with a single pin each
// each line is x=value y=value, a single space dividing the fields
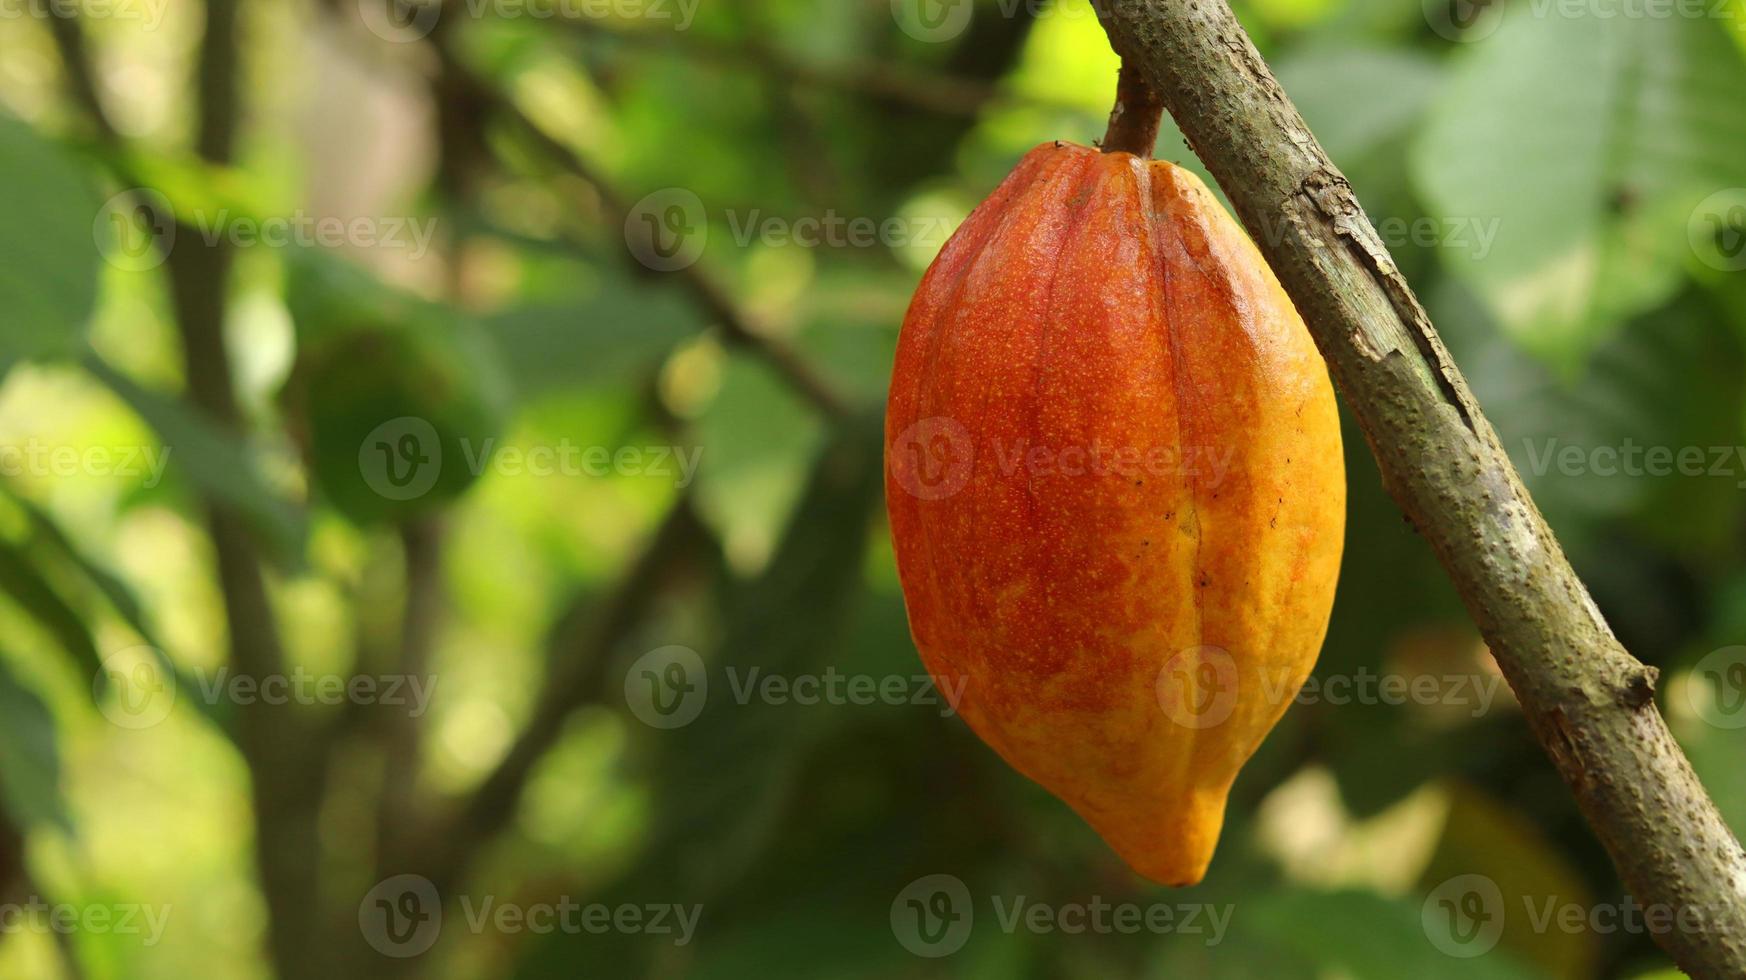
x=1116 y=493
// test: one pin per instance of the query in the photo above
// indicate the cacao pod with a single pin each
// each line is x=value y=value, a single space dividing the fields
x=393 y=420
x=1116 y=493
x=394 y=401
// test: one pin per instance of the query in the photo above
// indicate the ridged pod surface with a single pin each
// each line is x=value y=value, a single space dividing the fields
x=1116 y=492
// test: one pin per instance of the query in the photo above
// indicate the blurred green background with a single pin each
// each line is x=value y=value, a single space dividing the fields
x=425 y=431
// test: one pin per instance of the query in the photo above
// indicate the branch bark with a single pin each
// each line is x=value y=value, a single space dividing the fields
x=946 y=95
x=578 y=675
x=1136 y=118
x=710 y=296
x=1590 y=703
x=287 y=780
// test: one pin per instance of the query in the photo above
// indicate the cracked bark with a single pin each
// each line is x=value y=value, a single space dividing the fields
x=1589 y=702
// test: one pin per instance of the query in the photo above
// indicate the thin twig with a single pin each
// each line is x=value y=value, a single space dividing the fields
x=399 y=731
x=285 y=778
x=582 y=646
x=75 y=54
x=945 y=95
x=737 y=326
x=710 y=295
x=1136 y=118
x=1589 y=702
x=462 y=158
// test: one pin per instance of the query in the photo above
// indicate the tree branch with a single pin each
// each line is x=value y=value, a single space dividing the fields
x=81 y=77
x=583 y=642
x=285 y=778
x=1590 y=703
x=401 y=735
x=946 y=95
x=1136 y=118
x=709 y=295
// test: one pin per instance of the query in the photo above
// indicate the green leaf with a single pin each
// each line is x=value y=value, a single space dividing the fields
x=1365 y=104
x=30 y=759
x=25 y=582
x=846 y=941
x=47 y=538
x=1627 y=440
x=330 y=297
x=395 y=400
x=212 y=459
x=47 y=533
x=48 y=255
x=1364 y=936
x=725 y=770
x=728 y=770
x=1358 y=100
x=1489 y=846
x=756 y=437
x=1589 y=141
x=620 y=332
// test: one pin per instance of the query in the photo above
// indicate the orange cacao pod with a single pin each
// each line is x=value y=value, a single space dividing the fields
x=1116 y=491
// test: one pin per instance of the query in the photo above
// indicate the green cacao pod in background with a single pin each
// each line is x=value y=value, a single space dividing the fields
x=397 y=403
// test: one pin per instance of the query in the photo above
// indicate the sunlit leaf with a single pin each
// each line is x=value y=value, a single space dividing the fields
x=30 y=759
x=212 y=460
x=48 y=252
x=1590 y=140
x=1358 y=100
x=617 y=334
x=26 y=583
x=1364 y=936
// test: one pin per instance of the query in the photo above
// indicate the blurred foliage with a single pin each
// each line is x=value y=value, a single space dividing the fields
x=1566 y=190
